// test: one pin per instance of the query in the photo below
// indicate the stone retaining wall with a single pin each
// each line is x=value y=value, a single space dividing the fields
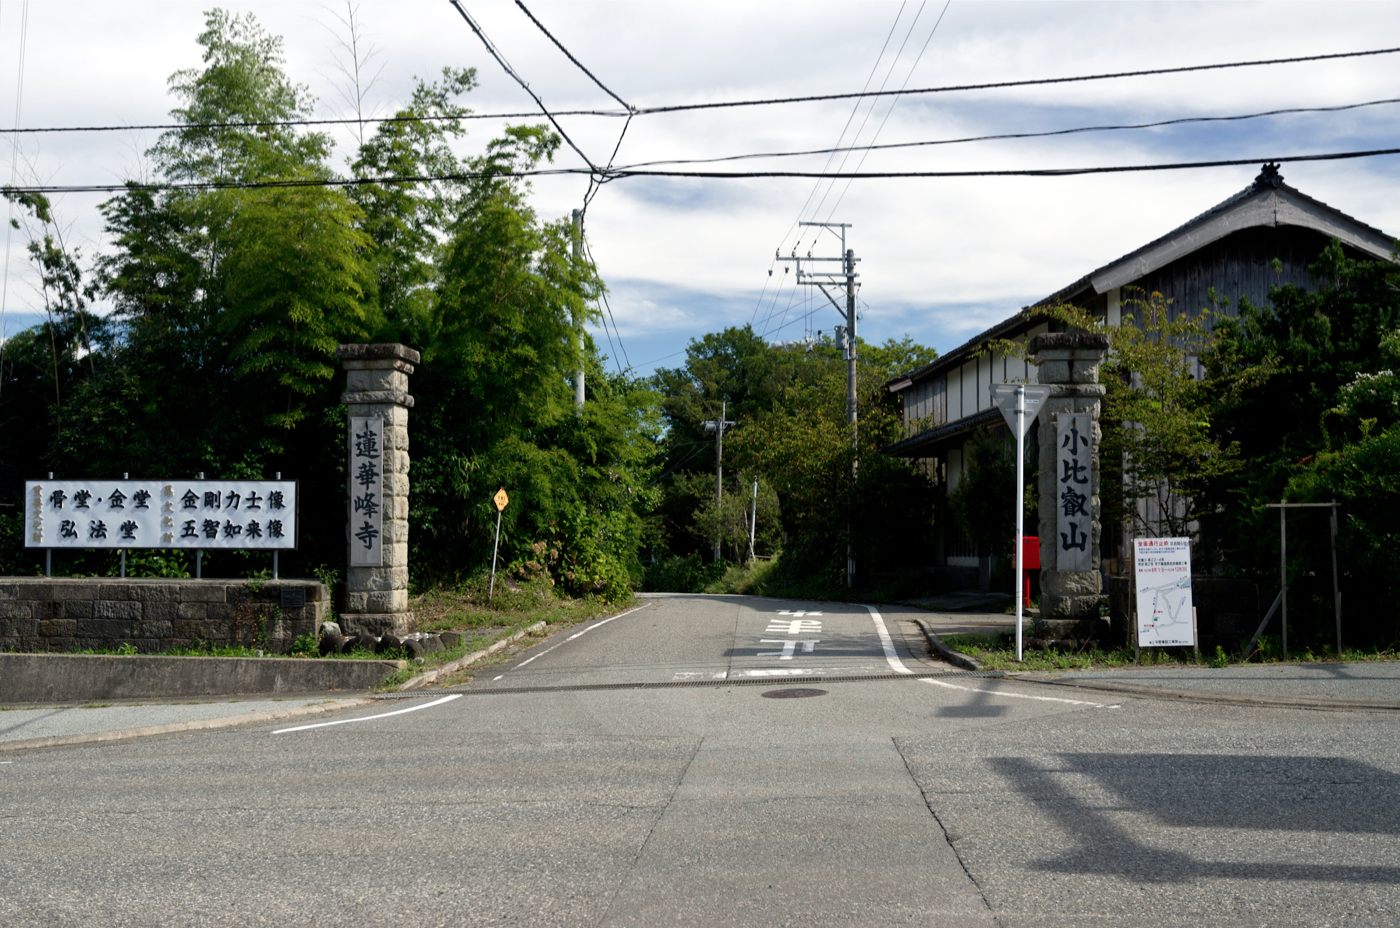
x=45 y=614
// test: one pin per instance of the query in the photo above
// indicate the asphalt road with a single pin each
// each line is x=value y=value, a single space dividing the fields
x=657 y=768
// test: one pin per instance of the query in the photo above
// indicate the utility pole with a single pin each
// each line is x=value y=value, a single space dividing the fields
x=718 y=426
x=578 y=317
x=845 y=335
x=753 y=529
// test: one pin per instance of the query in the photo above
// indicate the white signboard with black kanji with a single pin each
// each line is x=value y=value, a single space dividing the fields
x=232 y=514
x=1074 y=492
x=366 y=491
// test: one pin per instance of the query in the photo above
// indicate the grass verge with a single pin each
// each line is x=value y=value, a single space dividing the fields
x=996 y=652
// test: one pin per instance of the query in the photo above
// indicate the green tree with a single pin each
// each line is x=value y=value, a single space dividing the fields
x=1305 y=387
x=793 y=435
x=1159 y=455
x=496 y=394
x=410 y=222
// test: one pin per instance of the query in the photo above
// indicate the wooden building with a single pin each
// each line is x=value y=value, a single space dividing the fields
x=1264 y=236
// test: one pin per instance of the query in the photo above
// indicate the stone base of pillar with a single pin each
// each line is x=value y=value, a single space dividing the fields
x=378 y=623
x=1087 y=629
x=1072 y=606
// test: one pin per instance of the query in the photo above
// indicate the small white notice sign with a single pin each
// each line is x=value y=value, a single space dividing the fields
x=1162 y=575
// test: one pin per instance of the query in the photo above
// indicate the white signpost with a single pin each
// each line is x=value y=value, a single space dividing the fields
x=1019 y=404
x=1162 y=576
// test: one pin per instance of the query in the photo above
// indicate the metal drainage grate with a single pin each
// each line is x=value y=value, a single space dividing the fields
x=793 y=693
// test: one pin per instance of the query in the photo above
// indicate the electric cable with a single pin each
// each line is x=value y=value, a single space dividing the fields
x=831 y=185
x=855 y=108
x=1002 y=85
x=569 y=55
x=1010 y=136
x=622 y=174
x=769 y=101
x=893 y=103
x=524 y=85
x=603 y=295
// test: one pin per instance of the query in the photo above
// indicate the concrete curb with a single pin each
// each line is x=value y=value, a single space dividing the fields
x=462 y=663
x=1231 y=699
x=177 y=727
x=956 y=658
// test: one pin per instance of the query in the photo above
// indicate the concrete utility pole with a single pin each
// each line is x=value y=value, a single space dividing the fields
x=845 y=335
x=578 y=317
x=718 y=426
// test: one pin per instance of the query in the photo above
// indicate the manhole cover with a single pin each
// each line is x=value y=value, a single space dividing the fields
x=793 y=693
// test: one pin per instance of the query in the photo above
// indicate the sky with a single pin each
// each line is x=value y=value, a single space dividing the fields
x=940 y=259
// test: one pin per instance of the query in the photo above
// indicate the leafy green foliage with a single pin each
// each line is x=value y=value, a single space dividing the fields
x=792 y=434
x=1306 y=388
x=1158 y=446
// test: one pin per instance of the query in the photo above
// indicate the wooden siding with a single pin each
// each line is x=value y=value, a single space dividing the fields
x=1239 y=267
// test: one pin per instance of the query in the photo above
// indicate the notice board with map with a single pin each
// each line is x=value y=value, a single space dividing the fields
x=1162 y=576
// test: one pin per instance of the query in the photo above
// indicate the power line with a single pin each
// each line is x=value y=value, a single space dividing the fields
x=871 y=111
x=524 y=85
x=855 y=108
x=625 y=173
x=831 y=156
x=1014 y=172
x=14 y=171
x=893 y=103
x=648 y=111
x=588 y=250
x=294 y=123
x=568 y=54
x=1001 y=85
x=1011 y=136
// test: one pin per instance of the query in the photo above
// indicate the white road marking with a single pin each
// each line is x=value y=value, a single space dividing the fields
x=578 y=634
x=790 y=646
x=783 y=672
x=898 y=667
x=498 y=677
x=798 y=614
x=891 y=657
x=5 y=763
x=370 y=718
x=794 y=627
x=977 y=689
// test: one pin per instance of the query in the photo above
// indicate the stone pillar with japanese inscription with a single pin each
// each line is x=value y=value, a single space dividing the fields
x=377 y=401
x=1070 y=586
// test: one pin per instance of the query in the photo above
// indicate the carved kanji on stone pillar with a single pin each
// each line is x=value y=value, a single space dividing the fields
x=1070 y=587
x=377 y=402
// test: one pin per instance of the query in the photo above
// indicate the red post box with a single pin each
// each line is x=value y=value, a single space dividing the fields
x=1030 y=560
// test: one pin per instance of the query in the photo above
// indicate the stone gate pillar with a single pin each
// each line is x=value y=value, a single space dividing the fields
x=377 y=402
x=1070 y=586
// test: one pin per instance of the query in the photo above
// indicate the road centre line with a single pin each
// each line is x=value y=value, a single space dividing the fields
x=578 y=634
x=898 y=667
x=370 y=718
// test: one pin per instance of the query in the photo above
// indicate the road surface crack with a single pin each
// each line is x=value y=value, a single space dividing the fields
x=928 y=803
x=656 y=822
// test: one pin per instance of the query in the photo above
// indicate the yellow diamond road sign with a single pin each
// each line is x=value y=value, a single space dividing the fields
x=501 y=499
